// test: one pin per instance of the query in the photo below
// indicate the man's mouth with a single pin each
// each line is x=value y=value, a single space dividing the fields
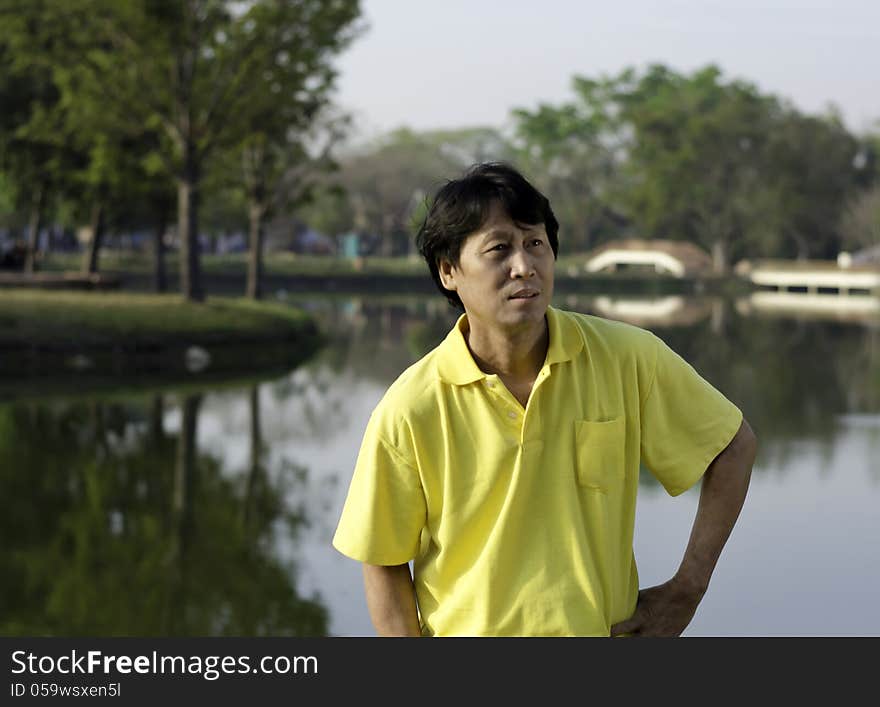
x=524 y=294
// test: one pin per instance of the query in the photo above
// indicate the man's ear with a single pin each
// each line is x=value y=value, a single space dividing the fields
x=447 y=274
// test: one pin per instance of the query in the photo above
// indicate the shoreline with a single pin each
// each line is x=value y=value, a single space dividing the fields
x=232 y=284
x=82 y=335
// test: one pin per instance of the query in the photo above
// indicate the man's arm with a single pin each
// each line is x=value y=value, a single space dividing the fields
x=391 y=600
x=667 y=609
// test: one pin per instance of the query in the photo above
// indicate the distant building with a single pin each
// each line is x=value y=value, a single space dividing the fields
x=676 y=258
x=813 y=277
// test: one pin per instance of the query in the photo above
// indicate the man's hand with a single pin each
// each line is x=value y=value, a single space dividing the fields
x=664 y=610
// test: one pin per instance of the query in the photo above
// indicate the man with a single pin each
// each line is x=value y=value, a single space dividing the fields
x=505 y=462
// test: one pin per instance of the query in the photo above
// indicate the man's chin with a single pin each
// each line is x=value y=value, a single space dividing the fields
x=524 y=313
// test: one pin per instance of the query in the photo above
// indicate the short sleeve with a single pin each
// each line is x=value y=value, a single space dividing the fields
x=685 y=422
x=385 y=509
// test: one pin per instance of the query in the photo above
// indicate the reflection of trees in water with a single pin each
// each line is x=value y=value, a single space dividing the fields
x=316 y=398
x=112 y=526
x=791 y=378
x=363 y=345
x=369 y=336
x=860 y=371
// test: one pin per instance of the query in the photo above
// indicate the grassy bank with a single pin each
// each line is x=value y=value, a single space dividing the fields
x=118 y=333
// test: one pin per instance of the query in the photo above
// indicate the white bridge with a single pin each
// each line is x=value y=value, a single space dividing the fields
x=676 y=258
x=812 y=277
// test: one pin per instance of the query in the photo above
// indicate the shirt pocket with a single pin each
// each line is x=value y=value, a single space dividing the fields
x=600 y=453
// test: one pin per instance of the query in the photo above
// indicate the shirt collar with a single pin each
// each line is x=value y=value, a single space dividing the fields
x=456 y=365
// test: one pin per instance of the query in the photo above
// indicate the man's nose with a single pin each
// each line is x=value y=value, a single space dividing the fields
x=521 y=264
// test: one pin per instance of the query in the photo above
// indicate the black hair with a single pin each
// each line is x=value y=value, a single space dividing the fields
x=462 y=205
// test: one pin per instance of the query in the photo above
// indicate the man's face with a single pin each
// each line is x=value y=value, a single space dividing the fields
x=504 y=274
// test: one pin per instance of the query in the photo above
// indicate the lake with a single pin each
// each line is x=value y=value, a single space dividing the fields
x=208 y=509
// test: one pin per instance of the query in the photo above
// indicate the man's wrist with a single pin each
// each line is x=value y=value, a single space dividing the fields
x=691 y=584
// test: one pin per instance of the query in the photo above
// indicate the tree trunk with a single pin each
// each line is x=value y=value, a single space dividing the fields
x=803 y=248
x=256 y=213
x=157 y=420
x=718 y=316
x=96 y=226
x=719 y=256
x=182 y=511
x=160 y=280
x=185 y=469
x=256 y=466
x=188 y=231
x=34 y=224
x=387 y=230
x=155 y=444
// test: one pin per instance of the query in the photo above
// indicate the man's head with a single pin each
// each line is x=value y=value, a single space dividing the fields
x=487 y=194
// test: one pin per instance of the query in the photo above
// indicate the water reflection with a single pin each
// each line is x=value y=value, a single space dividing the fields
x=209 y=511
x=856 y=309
x=115 y=525
x=672 y=310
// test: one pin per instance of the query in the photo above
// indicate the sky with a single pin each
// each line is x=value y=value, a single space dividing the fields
x=453 y=63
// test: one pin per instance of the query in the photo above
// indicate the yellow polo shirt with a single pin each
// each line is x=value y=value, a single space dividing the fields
x=520 y=521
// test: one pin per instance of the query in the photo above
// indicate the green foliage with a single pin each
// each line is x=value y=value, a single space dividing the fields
x=179 y=82
x=110 y=530
x=860 y=224
x=38 y=318
x=8 y=199
x=30 y=158
x=574 y=154
x=329 y=210
x=659 y=154
x=812 y=173
x=288 y=48
x=385 y=184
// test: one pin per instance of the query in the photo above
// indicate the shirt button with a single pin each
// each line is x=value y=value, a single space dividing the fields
x=511 y=414
x=490 y=384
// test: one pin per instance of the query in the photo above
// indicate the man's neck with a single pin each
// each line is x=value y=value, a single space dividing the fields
x=511 y=354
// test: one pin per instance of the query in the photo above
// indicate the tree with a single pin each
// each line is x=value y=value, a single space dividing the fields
x=29 y=96
x=381 y=188
x=812 y=171
x=98 y=167
x=574 y=151
x=278 y=126
x=195 y=70
x=694 y=157
x=281 y=174
x=860 y=223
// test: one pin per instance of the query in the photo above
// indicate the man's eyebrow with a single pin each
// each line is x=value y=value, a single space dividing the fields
x=497 y=233
x=504 y=233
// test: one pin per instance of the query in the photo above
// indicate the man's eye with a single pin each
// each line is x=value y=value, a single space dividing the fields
x=537 y=241
x=500 y=246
